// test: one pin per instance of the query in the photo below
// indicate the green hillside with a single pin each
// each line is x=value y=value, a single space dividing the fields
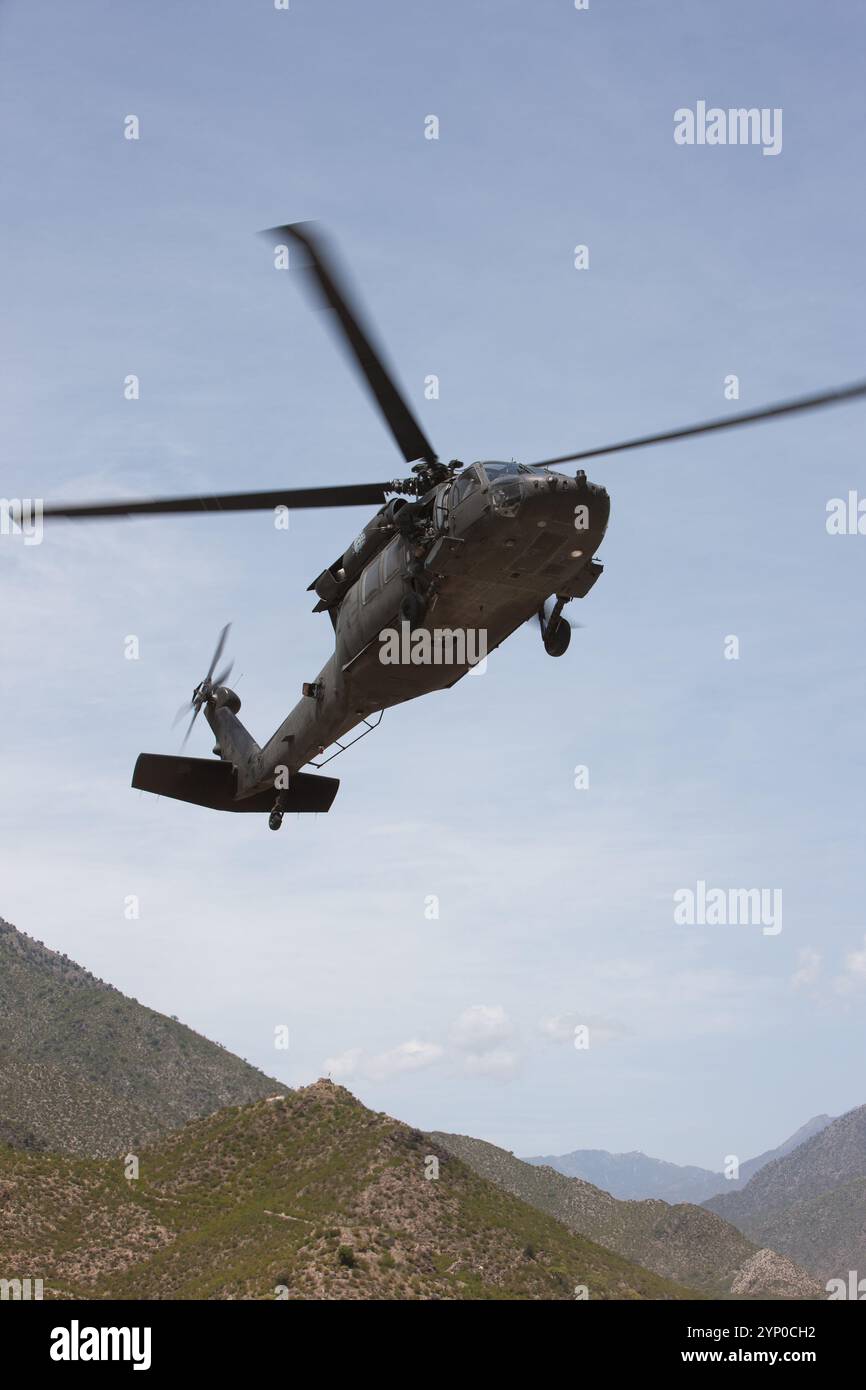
x=682 y=1242
x=85 y=1070
x=310 y=1193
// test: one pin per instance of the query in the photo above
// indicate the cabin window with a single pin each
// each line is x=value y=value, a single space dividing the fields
x=370 y=579
x=391 y=559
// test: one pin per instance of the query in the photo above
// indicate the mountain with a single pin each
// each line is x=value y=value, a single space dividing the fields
x=85 y=1070
x=309 y=1194
x=754 y=1165
x=678 y=1242
x=811 y=1203
x=635 y=1176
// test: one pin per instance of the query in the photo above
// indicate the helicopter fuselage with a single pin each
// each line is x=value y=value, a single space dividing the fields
x=477 y=556
x=427 y=588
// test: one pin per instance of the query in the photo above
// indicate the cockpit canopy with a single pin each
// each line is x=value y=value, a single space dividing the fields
x=494 y=470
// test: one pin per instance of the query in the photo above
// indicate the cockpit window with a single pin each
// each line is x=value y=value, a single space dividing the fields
x=466 y=483
x=495 y=471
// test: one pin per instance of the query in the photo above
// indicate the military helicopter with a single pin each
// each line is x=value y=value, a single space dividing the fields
x=450 y=550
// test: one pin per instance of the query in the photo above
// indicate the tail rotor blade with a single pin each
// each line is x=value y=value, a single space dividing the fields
x=182 y=713
x=202 y=694
x=219 y=651
x=195 y=715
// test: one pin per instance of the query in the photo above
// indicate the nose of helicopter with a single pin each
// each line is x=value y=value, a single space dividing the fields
x=554 y=500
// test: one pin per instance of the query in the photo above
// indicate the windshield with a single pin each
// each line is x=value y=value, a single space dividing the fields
x=495 y=471
x=499 y=470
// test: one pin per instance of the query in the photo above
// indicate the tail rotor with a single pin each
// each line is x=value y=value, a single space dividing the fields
x=205 y=688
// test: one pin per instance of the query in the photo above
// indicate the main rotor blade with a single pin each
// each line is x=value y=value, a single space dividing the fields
x=724 y=422
x=353 y=495
x=399 y=416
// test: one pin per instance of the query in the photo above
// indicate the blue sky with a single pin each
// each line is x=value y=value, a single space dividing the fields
x=555 y=905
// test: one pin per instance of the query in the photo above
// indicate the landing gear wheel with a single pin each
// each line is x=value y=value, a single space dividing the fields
x=275 y=819
x=557 y=638
x=412 y=609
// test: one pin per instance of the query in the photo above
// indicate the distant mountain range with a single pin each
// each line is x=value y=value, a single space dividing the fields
x=684 y=1242
x=634 y=1176
x=85 y=1070
x=243 y=1189
x=810 y=1203
x=805 y=1199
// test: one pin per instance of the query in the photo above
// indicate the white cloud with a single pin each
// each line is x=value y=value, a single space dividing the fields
x=479 y=1036
x=854 y=974
x=481 y=1027
x=499 y=1061
x=809 y=968
x=409 y=1056
x=344 y=1065
x=560 y=1028
x=412 y=1055
x=478 y=1046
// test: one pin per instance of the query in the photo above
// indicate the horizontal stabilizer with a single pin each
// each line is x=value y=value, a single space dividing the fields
x=214 y=784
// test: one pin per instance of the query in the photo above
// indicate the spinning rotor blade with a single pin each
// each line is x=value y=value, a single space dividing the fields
x=202 y=691
x=221 y=641
x=195 y=714
x=724 y=422
x=182 y=712
x=400 y=418
x=352 y=495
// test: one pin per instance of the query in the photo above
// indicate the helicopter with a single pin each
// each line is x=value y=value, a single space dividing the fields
x=451 y=550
